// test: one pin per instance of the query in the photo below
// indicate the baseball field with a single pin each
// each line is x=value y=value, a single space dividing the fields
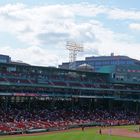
x=115 y=133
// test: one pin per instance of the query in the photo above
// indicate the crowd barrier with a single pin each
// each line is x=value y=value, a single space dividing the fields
x=29 y=131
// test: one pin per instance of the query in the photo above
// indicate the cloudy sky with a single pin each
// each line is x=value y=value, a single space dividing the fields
x=36 y=31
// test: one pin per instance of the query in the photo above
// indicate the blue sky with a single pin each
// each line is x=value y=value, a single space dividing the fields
x=133 y=4
x=36 y=31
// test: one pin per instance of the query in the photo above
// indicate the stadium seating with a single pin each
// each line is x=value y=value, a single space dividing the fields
x=20 y=118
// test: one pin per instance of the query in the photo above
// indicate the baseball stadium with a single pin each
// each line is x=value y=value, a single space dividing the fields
x=48 y=103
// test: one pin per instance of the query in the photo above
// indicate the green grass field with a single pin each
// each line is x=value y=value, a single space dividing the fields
x=88 y=134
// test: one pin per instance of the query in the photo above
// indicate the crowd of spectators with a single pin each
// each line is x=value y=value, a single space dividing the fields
x=21 y=118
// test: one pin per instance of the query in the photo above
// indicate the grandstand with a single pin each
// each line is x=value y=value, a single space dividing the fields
x=46 y=98
x=98 y=62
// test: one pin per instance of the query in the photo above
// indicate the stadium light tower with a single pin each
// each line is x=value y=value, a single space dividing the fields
x=73 y=48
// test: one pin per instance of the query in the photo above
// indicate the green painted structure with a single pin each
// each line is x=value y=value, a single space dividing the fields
x=111 y=82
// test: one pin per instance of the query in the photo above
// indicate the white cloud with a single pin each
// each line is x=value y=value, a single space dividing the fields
x=50 y=26
x=134 y=26
x=28 y=23
x=123 y=14
x=32 y=55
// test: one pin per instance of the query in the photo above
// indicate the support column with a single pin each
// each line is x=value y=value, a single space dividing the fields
x=110 y=105
x=137 y=107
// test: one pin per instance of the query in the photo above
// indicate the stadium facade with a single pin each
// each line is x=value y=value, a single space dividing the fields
x=5 y=59
x=34 y=98
x=115 y=82
x=100 y=61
